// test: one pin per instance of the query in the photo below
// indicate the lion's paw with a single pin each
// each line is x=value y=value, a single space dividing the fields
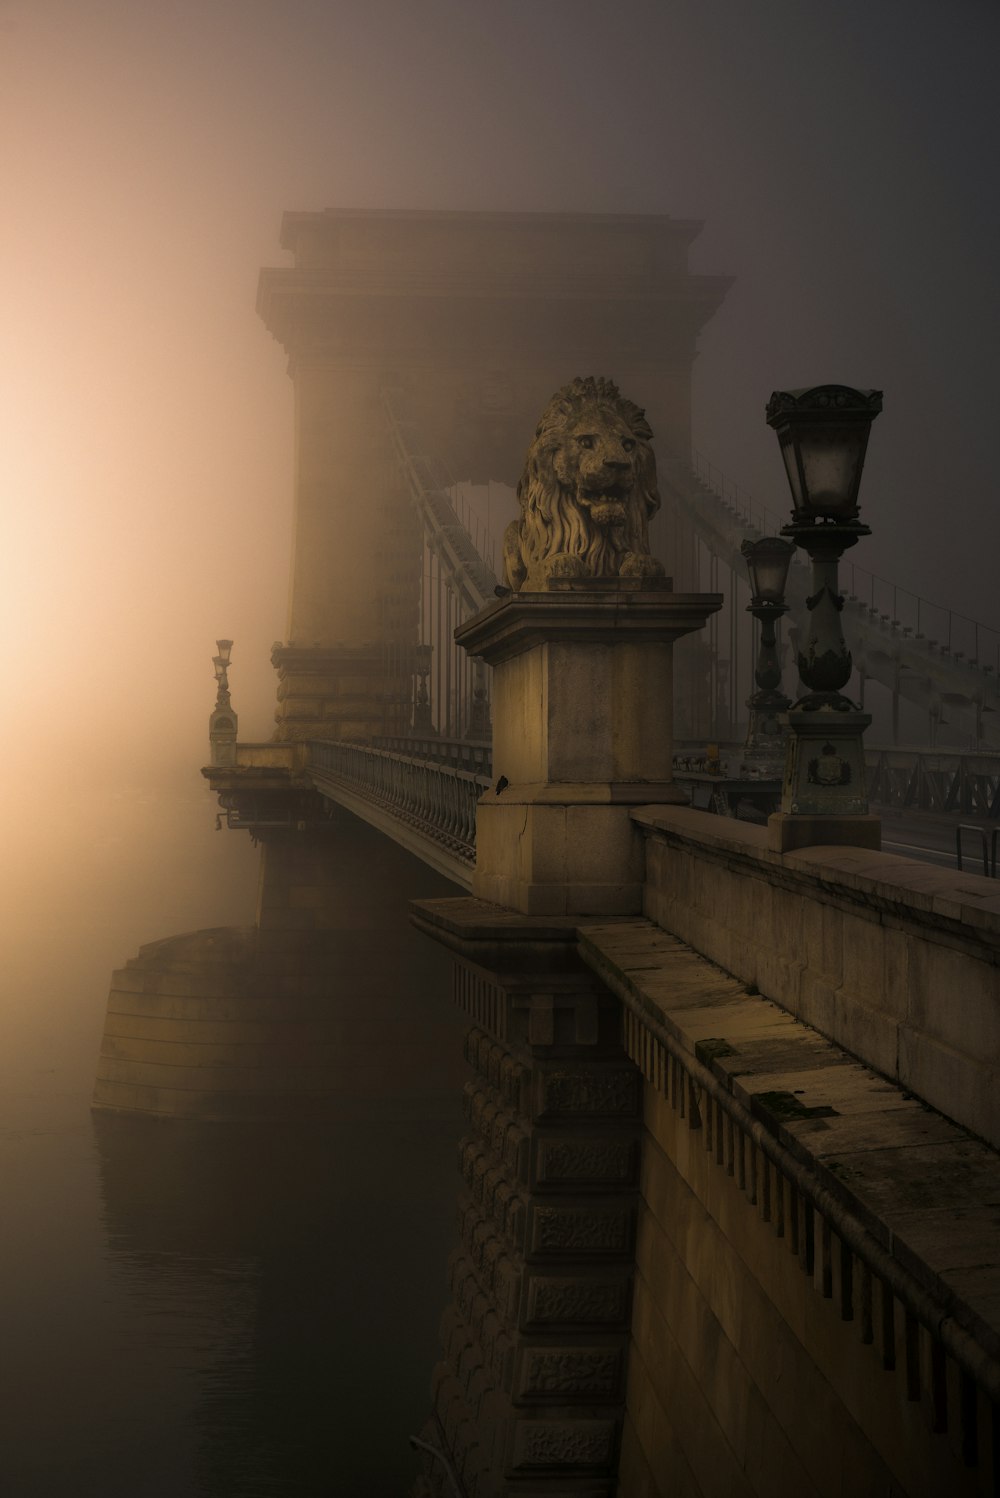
x=640 y=564
x=562 y=564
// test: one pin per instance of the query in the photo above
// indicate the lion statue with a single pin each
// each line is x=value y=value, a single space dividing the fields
x=587 y=493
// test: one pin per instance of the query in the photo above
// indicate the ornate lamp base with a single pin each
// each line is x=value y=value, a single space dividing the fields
x=824 y=798
x=765 y=742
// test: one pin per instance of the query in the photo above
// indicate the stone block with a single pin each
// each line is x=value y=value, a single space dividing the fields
x=596 y=1227
x=954 y=998
x=635 y=1476
x=656 y=1436
x=554 y=859
x=309 y=896
x=574 y=1444
x=788 y=831
x=819 y=939
x=571 y=1299
x=588 y=1091
x=550 y=1373
x=951 y=1081
x=597 y=1162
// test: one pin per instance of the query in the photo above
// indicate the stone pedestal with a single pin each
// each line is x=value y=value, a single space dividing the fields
x=582 y=708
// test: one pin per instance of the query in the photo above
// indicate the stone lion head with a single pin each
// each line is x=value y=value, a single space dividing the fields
x=587 y=493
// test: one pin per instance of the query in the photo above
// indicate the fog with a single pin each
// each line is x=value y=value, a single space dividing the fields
x=844 y=161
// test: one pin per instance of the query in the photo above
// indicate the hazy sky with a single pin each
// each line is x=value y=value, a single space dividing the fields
x=844 y=159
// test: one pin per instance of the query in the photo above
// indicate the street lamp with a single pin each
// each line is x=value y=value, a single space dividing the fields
x=823 y=433
x=768 y=561
x=423 y=723
x=221 y=664
x=222 y=724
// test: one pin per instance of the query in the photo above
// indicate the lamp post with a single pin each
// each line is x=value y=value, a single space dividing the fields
x=221 y=664
x=422 y=723
x=823 y=433
x=222 y=724
x=768 y=561
x=480 y=728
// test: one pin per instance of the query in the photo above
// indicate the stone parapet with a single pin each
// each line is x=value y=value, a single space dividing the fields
x=898 y=962
x=817 y=1296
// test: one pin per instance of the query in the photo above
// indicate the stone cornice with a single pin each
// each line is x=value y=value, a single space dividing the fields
x=601 y=611
x=563 y=271
x=320 y=306
x=294 y=220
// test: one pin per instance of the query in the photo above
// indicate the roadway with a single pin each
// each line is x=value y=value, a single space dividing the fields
x=931 y=837
x=927 y=836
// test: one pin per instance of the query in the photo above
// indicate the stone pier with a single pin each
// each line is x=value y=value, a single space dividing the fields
x=530 y=1395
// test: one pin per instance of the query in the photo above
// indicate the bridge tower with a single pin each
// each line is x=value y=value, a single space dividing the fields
x=479 y=316
x=474 y=319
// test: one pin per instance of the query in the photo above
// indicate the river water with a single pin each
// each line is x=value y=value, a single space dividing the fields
x=216 y=1311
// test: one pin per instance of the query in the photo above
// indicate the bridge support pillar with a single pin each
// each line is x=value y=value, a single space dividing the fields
x=331 y=1007
x=529 y=1398
x=530 y=1389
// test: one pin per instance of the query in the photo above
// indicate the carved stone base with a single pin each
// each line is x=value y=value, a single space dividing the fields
x=787 y=832
x=529 y=1395
x=825 y=764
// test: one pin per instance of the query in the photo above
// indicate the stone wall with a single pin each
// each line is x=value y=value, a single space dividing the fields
x=816 y=1281
x=894 y=960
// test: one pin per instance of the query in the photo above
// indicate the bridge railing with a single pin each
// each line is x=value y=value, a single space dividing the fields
x=934 y=781
x=474 y=755
x=437 y=800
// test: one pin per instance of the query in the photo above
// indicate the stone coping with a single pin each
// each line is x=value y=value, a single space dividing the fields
x=587 y=612
x=878 y=879
x=924 y=1189
x=293 y=218
x=493 y=937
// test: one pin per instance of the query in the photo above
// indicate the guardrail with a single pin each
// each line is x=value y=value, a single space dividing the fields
x=438 y=800
x=990 y=857
x=929 y=780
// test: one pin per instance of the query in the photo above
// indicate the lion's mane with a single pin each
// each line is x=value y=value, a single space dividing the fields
x=553 y=521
